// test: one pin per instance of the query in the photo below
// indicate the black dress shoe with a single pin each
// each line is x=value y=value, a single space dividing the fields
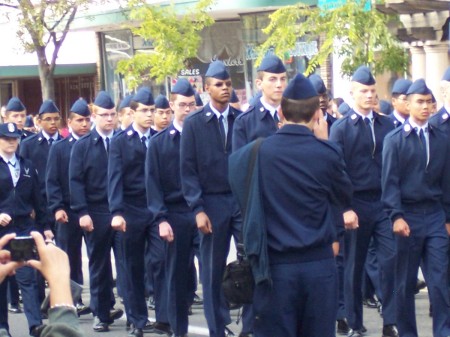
x=128 y=325
x=390 y=331
x=342 y=327
x=82 y=309
x=370 y=302
x=197 y=300
x=420 y=285
x=136 y=333
x=190 y=313
x=245 y=334
x=149 y=327
x=115 y=314
x=355 y=333
x=14 y=309
x=162 y=328
x=99 y=326
x=36 y=330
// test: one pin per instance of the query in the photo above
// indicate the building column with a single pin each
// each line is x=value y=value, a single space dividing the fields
x=437 y=61
x=418 y=68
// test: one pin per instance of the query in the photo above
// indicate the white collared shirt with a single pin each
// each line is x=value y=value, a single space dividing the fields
x=105 y=136
x=225 y=116
x=177 y=126
x=47 y=136
x=267 y=106
x=14 y=168
x=425 y=129
x=147 y=134
x=399 y=117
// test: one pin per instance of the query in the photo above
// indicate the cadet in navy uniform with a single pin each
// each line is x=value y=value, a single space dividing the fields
x=416 y=194
x=69 y=234
x=261 y=119
x=89 y=200
x=301 y=299
x=360 y=134
x=205 y=147
x=128 y=206
x=16 y=112
x=163 y=114
x=124 y=115
x=169 y=209
x=399 y=90
x=20 y=195
x=321 y=89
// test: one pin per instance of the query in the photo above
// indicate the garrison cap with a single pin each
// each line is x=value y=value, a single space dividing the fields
x=401 y=86
x=104 y=100
x=217 y=70
x=385 y=107
x=419 y=87
x=183 y=88
x=433 y=99
x=272 y=64
x=81 y=108
x=9 y=130
x=234 y=98
x=144 y=96
x=363 y=75
x=125 y=102
x=299 y=88
x=318 y=84
x=446 y=76
x=15 y=104
x=48 y=106
x=198 y=99
x=254 y=100
x=161 y=102
x=29 y=123
x=344 y=108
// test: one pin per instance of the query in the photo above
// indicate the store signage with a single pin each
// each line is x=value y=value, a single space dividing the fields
x=308 y=49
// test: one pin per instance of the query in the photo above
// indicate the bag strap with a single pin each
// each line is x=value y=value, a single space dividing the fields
x=248 y=180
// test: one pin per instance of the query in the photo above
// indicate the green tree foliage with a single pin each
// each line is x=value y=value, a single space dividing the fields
x=358 y=34
x=175 y=38
x=43 y=24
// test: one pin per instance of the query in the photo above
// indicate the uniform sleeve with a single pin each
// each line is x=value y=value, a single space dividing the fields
x=446 y=184
x=342 y=188
x=115 y=177
x=76 y=180
x=239 y=138
x=190 y=182
x=336 y=135
x=39 y=203
x=390 y=180
x=53 y=182
x=63 y=322
x=155 y=194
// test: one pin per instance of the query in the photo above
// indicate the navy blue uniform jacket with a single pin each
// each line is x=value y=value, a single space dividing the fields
x=87 y=175
x=441 y=121
x=363 y=163
x=407 y=180
x=254 y=123
x=57 y=175
x=19 y=201
x=204 y=160
x=126 y=179
x=162 y=173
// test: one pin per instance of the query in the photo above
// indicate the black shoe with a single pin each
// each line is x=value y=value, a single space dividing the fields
x=430 y=311
x=82 y=309
x=162 y=328
x=149 y=327
x=342 y=327
x=197 y=300
x=245 y=334
x=420 y=285
x=190 y=313
x=14 y=308
x=36 y=330
x=128 y=325
x=355 y=333
x=136 y=333
x=370 y=302
x=115 y=314
x=390 y=331
x=151 y=303
x=228 y=332
x=99 y=326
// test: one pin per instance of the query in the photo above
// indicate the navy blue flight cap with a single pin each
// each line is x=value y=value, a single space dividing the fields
x=419 y=87
x=255 y=99
x=446 y=76
x=104 y=100
x=9 y=130
x=344 y=108
x=29 y=123
x=363 y=75
x=198 y=99
x=15 y=104
x=217 y=70
x=401 y=86
x=125 y=103
x=161 y=102
x=385 y=107
x=272 y=64
x=144 y=96
x=48 y=106
x=318 y=84
x=299 y=88
x=183 y=88
x=81 y=108
x=234 y=98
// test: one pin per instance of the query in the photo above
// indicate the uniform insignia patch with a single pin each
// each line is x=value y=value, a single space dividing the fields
x=172 y=132
x=129 y=133
x=407 y=128
x=353 y=116
x=444 y=116
x=208 y=114
x=10 y=127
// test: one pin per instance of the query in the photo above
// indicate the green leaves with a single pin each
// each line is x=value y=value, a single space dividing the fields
x=359 y=35
x=175 y=38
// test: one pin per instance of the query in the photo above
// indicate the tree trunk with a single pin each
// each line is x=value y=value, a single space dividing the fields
x=46 y=77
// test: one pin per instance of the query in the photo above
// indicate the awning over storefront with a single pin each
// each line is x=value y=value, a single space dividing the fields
x=61 y=70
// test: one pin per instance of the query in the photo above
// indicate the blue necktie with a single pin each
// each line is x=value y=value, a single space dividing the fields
x=369 y=129
x=144 y=142
x=107 y=144
x=423 y=144
x=50 y=141
x=222 y=131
